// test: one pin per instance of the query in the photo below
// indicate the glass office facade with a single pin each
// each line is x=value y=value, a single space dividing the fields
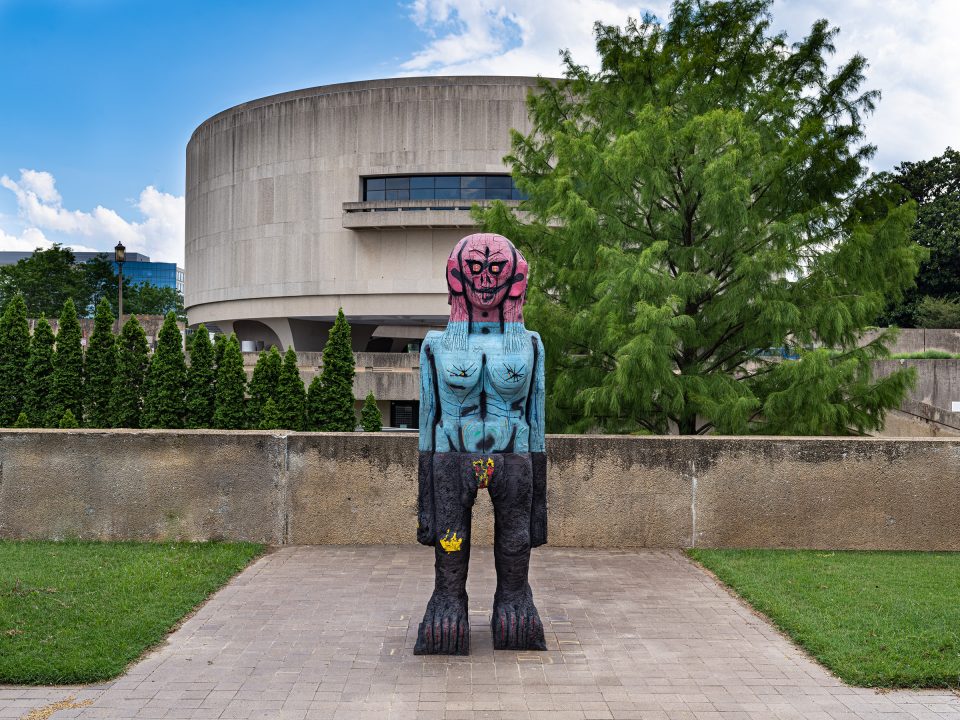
x=441 y=187
x=156 y=273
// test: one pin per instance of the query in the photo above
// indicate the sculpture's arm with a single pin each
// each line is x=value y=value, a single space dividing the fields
x=429 y=407
x=536 y=423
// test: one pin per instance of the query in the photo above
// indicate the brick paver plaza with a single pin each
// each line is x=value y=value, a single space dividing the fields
x=328 y=632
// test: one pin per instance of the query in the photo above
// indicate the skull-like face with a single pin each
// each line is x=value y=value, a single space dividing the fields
x=487 y=264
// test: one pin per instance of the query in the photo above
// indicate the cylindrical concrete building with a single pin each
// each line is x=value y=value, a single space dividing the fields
x=347 y=195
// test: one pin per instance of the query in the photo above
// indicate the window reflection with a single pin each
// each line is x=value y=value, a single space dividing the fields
x=441 y=187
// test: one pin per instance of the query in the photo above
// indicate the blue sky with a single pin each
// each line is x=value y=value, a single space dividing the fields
x=105 y=93
x=99 y=97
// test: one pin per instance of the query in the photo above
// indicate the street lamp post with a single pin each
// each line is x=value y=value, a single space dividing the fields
x=119 y=255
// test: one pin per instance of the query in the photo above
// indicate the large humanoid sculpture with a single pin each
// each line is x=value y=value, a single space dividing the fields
x=481 y=426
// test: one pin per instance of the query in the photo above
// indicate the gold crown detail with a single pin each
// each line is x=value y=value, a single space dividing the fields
x=451 y=543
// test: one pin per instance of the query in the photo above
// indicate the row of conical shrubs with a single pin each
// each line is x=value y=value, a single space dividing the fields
x=49 y=381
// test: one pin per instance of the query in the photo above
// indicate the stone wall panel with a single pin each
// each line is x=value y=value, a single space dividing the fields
x=360 y=488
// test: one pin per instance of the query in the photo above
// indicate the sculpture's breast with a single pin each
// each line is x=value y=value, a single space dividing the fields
x=460 y=374
x=509 y=376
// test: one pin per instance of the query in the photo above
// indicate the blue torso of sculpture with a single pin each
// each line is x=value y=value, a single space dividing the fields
x=481 y=426
x=488 y=396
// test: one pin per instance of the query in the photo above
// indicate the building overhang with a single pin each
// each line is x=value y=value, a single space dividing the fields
x=392 y=214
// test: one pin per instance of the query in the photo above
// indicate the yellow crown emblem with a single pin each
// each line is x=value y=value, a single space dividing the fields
x=451 y=543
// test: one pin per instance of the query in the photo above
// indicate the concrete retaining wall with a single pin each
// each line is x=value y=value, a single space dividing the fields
x=605 y=491
x=919 y=339
x=938 y=381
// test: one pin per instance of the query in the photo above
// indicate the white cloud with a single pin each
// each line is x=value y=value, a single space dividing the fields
x=160 y=234
x=41 y=184
x=912 y=50
x=486 y=37
x=910 y=45
x=32 y=239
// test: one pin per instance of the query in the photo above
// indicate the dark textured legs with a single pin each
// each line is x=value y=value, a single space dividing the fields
x=515 y=623
x=445 y=629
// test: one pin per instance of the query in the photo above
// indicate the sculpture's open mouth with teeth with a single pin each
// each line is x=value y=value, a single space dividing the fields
x=488 y=295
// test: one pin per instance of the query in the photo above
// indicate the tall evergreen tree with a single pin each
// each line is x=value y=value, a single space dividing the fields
x=200 y=381
x=291 y=397
x=263 y=384
x=164 y=401
x=333 y=408
x=370 y=417
x=314 y=412
x=230 y=413
x=694 y=203
x=39 y=375
x=270 y=417
x=219 y=346
x=101 y=364
x=133 y=364
x=69 y=420
x=14 y=353
x=66 y=388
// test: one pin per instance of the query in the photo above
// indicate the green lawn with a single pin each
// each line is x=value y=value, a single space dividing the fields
x=876 y=619
x=79 y=612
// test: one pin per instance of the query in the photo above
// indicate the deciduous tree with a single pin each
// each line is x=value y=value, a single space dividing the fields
x=149 y=299
x=935 y=186
x=46 y=280
x=692 y=204
x=102 y=283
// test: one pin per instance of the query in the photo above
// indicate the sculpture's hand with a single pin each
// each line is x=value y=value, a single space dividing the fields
x=426 y=523
x=538 y=514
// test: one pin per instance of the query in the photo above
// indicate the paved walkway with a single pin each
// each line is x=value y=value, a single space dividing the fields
x=328 y=632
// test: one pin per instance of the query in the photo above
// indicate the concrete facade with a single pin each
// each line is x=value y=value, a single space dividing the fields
x=604 y=491
x=277 y=234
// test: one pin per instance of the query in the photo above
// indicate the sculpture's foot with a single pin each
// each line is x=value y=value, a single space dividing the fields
x=445 y=629
x=516 y=623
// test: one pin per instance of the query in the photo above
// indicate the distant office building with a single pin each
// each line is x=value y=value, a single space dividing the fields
x=160 y=274
x=137 y=268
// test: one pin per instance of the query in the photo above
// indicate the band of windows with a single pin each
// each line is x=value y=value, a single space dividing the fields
x=441 y=187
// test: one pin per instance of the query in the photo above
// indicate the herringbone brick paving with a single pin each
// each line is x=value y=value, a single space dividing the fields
x=328 y=632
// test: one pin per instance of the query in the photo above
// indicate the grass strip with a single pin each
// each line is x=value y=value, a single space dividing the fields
x=80 y=612
x=925 y=355
x=875 y=619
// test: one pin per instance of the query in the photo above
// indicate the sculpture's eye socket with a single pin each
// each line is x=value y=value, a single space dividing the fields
x=495 y=268
x=475 y=268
